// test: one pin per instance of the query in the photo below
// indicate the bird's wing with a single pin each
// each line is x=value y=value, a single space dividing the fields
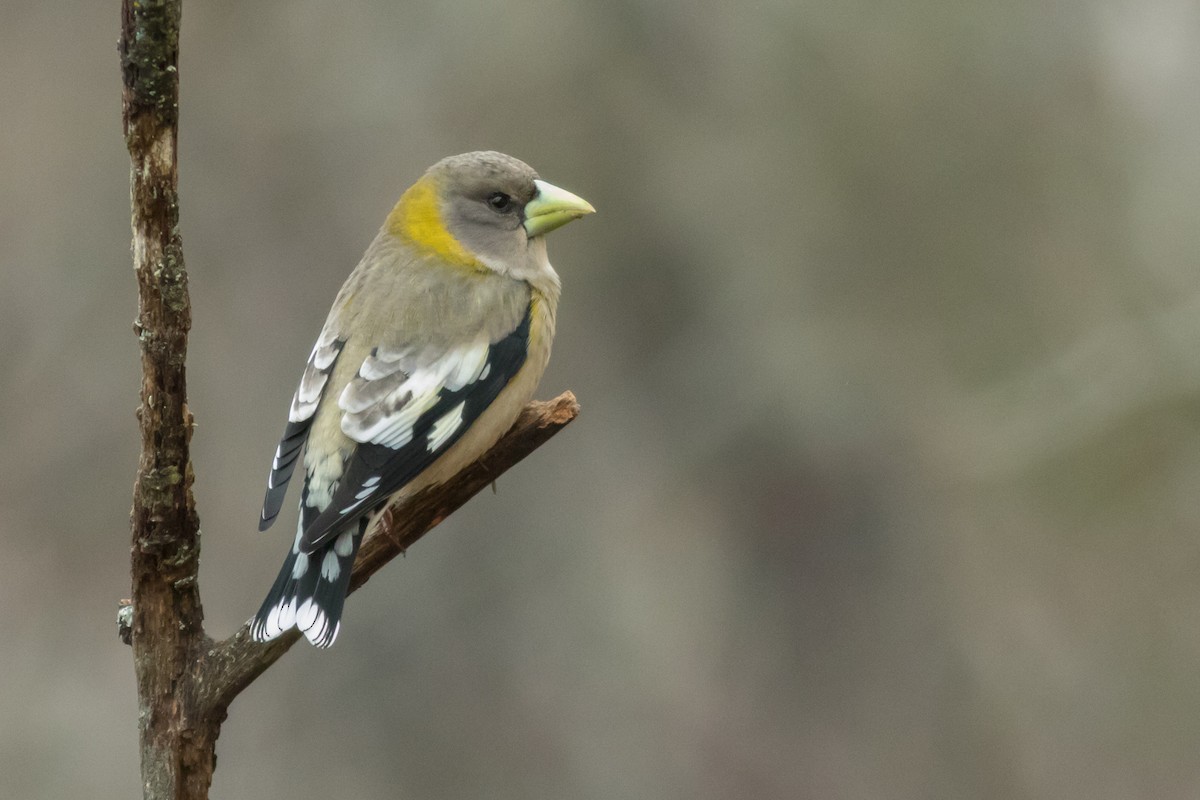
x=304 y=405
x=405 y=409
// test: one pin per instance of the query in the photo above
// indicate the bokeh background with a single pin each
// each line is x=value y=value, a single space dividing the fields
x=887 y=336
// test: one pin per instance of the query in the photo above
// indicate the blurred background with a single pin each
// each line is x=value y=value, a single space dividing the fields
x=887 y=337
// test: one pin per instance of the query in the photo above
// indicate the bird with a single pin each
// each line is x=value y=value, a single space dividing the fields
x=434 y=344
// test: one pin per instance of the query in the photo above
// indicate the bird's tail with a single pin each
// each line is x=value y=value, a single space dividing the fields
x=310 y=591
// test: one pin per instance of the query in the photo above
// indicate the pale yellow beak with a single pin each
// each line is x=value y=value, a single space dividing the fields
x=552 y=208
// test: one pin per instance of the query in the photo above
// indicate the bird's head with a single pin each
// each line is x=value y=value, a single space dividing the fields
x=484 y=210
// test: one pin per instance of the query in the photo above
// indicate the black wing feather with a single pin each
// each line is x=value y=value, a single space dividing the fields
x=294 y=436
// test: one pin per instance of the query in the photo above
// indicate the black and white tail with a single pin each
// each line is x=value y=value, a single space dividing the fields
x=310 y=590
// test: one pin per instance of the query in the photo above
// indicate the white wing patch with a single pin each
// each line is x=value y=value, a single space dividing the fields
x=352 y=506
x=368 y=488
x=447 y=424
x=316 y=373
x=276 y=464
x=329 y=566
x=409 y=389
x=471 y=361
x=380 y=364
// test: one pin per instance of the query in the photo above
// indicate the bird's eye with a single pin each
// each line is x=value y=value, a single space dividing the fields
x=499 y=201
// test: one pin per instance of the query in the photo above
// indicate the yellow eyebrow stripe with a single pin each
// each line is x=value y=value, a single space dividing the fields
x=417 y=219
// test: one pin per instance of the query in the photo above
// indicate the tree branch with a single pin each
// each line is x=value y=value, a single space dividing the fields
x=166 y=625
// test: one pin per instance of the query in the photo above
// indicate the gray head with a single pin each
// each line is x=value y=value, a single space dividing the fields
x=485 y=207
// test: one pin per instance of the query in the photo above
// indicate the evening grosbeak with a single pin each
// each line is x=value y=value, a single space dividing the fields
x=433 y=346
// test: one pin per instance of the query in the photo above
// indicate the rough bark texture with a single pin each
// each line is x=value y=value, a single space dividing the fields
x=176 y=747
x=185 y=681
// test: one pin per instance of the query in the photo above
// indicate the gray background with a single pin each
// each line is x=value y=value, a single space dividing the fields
x=886 y=335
